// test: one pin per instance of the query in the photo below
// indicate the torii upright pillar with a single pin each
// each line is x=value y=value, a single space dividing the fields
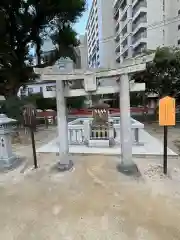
x=64 y=163
x=127 y=165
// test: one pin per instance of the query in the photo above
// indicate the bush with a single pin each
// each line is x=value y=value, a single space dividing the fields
x=46 y=103
x=12 y=107
x=75 y=102
x=40 y=102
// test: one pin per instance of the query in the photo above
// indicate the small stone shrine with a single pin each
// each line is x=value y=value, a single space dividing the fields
x=102 y=133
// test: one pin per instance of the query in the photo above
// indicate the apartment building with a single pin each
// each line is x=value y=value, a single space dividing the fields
x=145 y=25
x=83 y=51
x=120 y=29
x=100 y=34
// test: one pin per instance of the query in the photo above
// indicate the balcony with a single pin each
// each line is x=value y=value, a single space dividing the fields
x=116 y=4
x=123 y=14
x=135 y=2
x=141 y=8
x=116 y=13
x=117 y=36
x=142 y=19
x=124 y=37
x=139 y=27
x=124 y=49
x=118 y=59
x=117 y=50
x=140 y=41
x=137 y=37
x=124 y=24
x=140 y=48
x=124 y=31
x=124 y=55
x=138 y=6
x=117 y=27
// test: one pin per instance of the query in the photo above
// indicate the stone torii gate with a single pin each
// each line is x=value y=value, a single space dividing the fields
x=90 y=86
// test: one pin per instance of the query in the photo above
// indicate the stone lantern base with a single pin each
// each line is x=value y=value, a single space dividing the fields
x=10 y=163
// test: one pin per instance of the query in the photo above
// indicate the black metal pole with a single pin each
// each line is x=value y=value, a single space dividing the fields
x=165 y=148
x=34 y=148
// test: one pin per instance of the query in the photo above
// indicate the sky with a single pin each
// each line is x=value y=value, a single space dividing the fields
x=81 y=25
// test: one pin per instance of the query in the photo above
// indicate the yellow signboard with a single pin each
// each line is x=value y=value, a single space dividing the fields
x=167 y=111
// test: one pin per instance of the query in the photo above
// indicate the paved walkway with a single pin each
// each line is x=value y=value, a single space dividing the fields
x=94 y=201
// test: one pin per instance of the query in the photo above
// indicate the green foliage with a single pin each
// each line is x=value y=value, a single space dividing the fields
x=137 y=99
x=26 y=24
x=46 y=103
x=76 y=102
x=40 y=102
x=12 y=107
x=32 y=98
x=162 y=76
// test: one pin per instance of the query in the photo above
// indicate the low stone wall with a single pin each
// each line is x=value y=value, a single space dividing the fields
x=77 y=131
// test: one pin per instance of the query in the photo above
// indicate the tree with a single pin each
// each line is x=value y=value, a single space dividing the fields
x=76 y=102
x=25 y=24
x=162 y=76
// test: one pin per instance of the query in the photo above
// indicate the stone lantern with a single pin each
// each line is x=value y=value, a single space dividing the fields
x=7 y=158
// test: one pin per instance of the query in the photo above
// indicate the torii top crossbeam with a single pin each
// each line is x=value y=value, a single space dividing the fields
x=127 y=67
x=90 y=77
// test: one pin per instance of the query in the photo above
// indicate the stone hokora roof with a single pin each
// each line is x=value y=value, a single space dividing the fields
x=100 y=114
x=100 y=105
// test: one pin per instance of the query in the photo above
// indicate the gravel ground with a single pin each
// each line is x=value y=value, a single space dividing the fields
x=93 y=201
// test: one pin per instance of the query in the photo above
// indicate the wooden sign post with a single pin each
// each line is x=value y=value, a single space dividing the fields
x=29 y=115
x=167 y=117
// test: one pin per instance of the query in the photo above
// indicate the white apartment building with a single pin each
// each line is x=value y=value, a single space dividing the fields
x=100 y=34
x=83 y=51
x=137 y=25
x=145 y=25
x=46 y=88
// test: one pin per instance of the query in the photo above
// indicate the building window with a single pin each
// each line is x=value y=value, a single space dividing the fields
x=22 y=92
x=163 y=5
x=41 y=89
x=179 y=27
x=30 y=90
x=179 y=42
x=179 y=12
x=50 y=88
